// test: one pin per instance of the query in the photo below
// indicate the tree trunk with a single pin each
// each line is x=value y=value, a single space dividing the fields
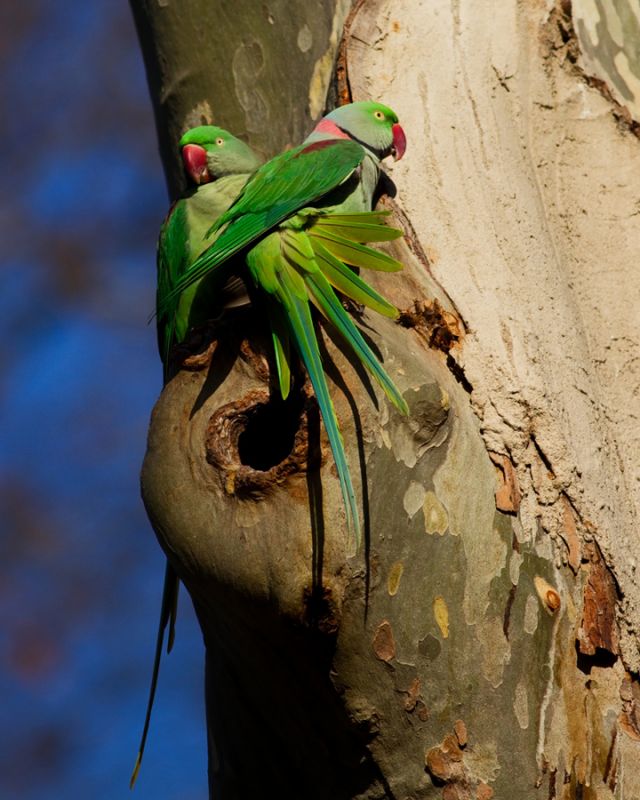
x=484 y=642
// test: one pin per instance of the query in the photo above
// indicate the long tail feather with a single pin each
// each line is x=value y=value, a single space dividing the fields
x=358 y=255
x=332 y=310
x=298 y=315
x=167 y=617
x=348 y=282
x=281 y=347
x=308 y=347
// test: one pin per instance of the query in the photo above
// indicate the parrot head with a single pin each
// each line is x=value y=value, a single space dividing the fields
x=371 y=124
x=209 y=152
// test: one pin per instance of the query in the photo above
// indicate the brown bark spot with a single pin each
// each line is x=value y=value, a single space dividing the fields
x=460 y=730
x=629 y=718
x=456 y=791
x=547 y=594
x=445 y=764
x=384 y=645
x=552 y=599
x=439 y=327
x=508 y=495
x=598 y=628
x=413 y=693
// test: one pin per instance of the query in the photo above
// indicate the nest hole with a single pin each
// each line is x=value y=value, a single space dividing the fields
x=269 y=436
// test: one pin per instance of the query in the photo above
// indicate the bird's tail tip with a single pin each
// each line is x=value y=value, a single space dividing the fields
x=136 y=770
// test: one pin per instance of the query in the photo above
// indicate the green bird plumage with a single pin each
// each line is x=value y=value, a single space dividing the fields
x=219 y=164
x=301 y=218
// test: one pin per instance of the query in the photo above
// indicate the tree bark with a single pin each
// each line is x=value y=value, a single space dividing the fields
x=485 y=641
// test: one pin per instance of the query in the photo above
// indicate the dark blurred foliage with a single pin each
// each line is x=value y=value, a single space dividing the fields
x=83 y=196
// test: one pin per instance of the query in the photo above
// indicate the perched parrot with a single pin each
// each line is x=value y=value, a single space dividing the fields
x=302 y=217
x=219 y=164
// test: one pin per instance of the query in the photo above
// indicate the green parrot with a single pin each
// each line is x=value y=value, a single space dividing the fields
x=219 y=165
x=302 y=217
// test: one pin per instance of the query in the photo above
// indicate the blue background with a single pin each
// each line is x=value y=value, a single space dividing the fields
x=81 y=573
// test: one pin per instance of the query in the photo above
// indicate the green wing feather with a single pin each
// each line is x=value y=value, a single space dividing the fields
x=326 y=301
x=278 y=189
x=345 y=280
x=356 y=230
x=356 y=254
x=172 y=261
x=281 y=347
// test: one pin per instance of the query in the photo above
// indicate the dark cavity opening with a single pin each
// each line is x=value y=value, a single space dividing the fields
x=270 y=433
x=601 y=658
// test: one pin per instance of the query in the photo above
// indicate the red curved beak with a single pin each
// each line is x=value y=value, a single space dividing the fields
x=194 y=158
x=399 y=142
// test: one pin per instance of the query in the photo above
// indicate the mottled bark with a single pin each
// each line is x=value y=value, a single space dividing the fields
x=484 y=644
x=259 y=69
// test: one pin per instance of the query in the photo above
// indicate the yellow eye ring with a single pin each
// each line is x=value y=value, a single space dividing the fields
x=219 y=141
x=378 y=114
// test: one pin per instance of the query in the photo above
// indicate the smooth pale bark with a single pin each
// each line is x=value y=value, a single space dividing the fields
x=485 y=642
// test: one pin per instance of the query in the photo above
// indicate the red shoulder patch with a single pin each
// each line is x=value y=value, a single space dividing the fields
x=327 y=126
x=315 y=146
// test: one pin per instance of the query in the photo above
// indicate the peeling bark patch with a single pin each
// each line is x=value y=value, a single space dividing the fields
x=429 y=647
x=393 y=579
x=428 y=426
x=460 y=730
x=531 y=615
x=601 y=56
x=521 y=705
x=413 y=498
x=508 y=496
x=496 y=651
x=598 y=628
x=441 y=615
x=384 y=645
x=436 y=519
x=607 y=33
x=439 y=327
x=305 y=39
x=444 y=762
x=247 y=64
x=629 y=718
x=569 y=533
x=548 y=595
x=414 y=702
x=449 y=766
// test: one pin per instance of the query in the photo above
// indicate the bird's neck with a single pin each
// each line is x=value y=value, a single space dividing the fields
x=326 y=129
